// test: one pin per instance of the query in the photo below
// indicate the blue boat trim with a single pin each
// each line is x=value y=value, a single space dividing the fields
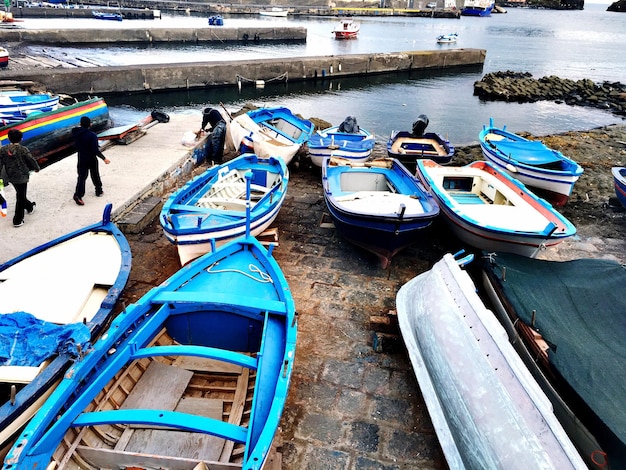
x=271 y=306
x=198 y=351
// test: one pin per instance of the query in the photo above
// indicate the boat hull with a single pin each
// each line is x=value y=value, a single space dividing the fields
x=96 y=264
x=199 y=217
x=407 y=148
x=619 y=180
x=356 y=147
x=486 y=408
x=14 y=108
x=509 y=218
x=378 y=206
x=553 y=177
x=214 y=346
x=48 y=136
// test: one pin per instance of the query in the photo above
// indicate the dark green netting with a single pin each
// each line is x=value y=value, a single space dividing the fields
x=581 y=312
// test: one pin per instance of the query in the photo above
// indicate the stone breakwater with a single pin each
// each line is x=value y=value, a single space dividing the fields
x=523 y=88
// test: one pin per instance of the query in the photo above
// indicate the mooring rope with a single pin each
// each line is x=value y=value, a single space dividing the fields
x=283 y=76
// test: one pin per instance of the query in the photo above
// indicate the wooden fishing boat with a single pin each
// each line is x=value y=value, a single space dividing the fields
x=488 y=209
x=348 y=140
x=477 y=8
x=377 y=205
x=548 y=172
x=619 y=180
x=346 y=28
x=15 y=106
x=193 y=375
x=486 y=408
x=408 y=146
x=211 y=209
x=48 y=135
x=74 y=279
x=566 y=320
x=270 y=132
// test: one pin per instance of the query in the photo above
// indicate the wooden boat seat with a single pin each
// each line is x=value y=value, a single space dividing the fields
x=249 y=303
x=199 y=351
x=229 y=193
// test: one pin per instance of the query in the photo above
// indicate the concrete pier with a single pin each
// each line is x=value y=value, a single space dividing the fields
x=142 y=78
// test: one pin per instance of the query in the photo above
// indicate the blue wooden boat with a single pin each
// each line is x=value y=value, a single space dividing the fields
x=548 y=172
x=76 y=278
x=619 y=180
x=270 y=132
x=193 y=375
x=488 y=209
x=347 y=140
x=486 y=408
x=477 y=8
x=17 y=106
x=377 y=205
x=566 y=320
x=211 y=208
x=48 y=135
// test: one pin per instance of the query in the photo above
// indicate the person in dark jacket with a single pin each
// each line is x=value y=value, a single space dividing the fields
x=214 y=149
x=16 y=163
x=86 y=143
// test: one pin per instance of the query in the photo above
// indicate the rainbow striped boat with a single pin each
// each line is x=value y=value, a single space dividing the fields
x=48 y=136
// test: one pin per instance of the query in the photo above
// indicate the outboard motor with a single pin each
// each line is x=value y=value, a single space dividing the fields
x=420 y=125
x=349 y=125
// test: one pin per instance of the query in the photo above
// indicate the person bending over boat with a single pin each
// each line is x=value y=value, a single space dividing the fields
x=86 y=142
x=214 y=148
x=16 y=163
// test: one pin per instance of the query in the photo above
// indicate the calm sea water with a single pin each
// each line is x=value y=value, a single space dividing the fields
x=569 y=44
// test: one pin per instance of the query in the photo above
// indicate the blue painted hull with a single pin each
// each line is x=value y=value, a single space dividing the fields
x=331 y=142
x=233 y=307
x=619 y=179
x=47 y=378
x=366 y=205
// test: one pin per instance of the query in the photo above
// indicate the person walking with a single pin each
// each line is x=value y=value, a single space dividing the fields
x=86 y=142
x=16 y=163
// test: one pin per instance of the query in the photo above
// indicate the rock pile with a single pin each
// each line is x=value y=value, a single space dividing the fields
x=522 y=87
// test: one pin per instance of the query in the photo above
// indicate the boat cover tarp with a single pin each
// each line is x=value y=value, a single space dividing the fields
x=531 y=152
x=27 y=341
x=581 y=312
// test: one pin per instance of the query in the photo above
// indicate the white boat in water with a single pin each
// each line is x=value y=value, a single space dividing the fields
x=486 y=408
x=274 y=11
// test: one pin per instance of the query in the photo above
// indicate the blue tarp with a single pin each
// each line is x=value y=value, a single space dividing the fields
x=27 y=341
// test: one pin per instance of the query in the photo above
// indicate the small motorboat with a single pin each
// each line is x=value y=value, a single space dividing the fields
x=214 y=207
x=274 y=11
x=347 y=28
x=216 y=20
x=409 y=146
x=619 y=179
x=486 y=408
x=107 y=15
x=270 y=132
x=377 y=205
x=347 y=140
x=15 y=106
x=447 y=38
x=548 y=172
x=490 y=210
x=4 y=57
x=195 y=374
x=49 y=291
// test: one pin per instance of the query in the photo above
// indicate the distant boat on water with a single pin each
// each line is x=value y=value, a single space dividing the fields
x=274 y=11
x=477 y=8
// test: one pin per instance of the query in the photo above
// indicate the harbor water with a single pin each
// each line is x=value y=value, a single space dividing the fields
x=569 y=44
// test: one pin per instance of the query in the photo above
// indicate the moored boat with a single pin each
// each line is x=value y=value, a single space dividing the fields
x=107 y=15
x=270 y=132
x=486 y=408
x=274 y=11
x=195 y=374
x=566 y=320
x=377 y=205
x=477 y=8
x=211 y=209
x=619 y=180
x=550 y=173
x=4 y=57
x=347 y=140
x=76 y=278
x=48 y=135
x=489 y=210
x=15 y=106
x=447 y=38
x=408 y=146
x=346 y=28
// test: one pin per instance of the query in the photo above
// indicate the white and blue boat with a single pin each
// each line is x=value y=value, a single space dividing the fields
x=377 y=205
x=550 y=173
x=195 y=374
x=211 y=209
x=347 y=140
x=67 y=285
x=107 y=15
x=477 y=8
x=15 y=106
x=270 y=132
x=488 y=209
x=619 y=180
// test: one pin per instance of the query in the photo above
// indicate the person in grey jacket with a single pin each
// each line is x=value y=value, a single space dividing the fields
x=16 y=163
